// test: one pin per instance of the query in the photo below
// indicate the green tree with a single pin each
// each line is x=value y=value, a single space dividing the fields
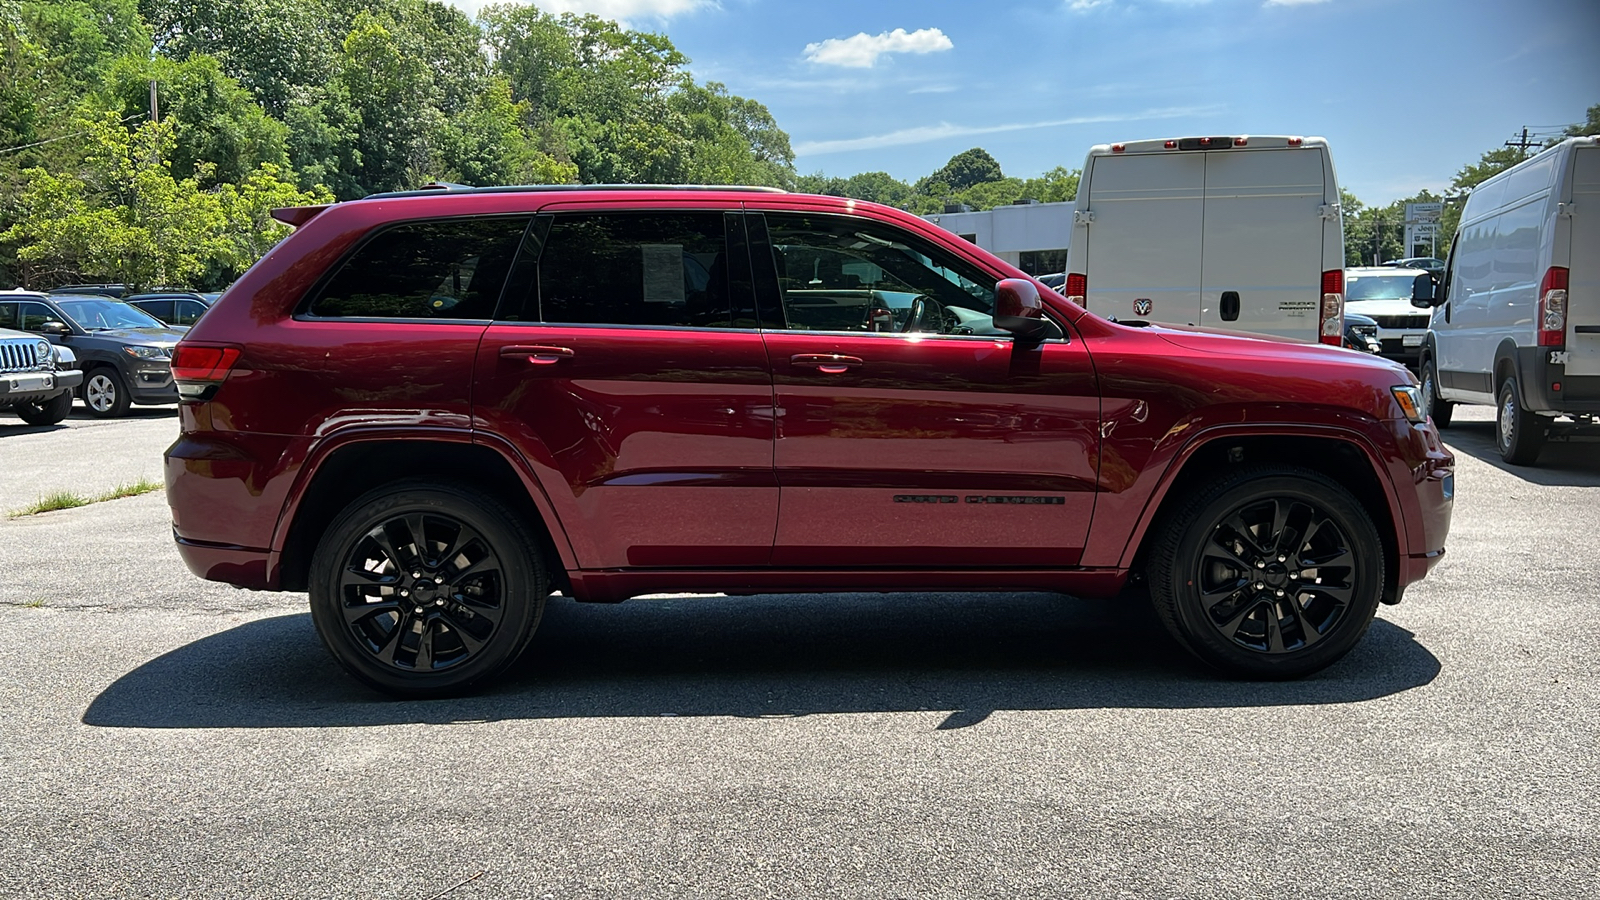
x=274 y=48
x=965 y=169
x=218 y=127
x=1590 y=124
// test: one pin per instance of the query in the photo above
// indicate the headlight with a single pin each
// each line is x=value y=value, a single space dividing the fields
x=41 y=351
x=1410 y=400
x=146 y=352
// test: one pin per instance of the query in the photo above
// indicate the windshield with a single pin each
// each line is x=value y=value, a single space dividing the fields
x=1379 y=287
x=98 y=314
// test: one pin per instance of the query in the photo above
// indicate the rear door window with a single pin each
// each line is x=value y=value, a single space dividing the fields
x=445 y=269
x=653 y=269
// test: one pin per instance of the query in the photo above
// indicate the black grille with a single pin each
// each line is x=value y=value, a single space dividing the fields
x=1417 y=321
x=20 y=355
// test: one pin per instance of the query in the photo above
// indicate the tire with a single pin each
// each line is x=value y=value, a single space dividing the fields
x=464 y=620
x=105 y=393
x=1218 y=585
x=1519 y=434
x=1441 y=410
x=49 y=412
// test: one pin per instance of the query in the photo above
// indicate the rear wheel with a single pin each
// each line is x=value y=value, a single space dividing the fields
x=1519 y=433
x=422 y=590
x=1441 y=410
x=105 y=394
x=46 y=412
x=1270 y=572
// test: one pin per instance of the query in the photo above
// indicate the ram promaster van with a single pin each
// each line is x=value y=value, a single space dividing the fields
x=1518 y=323
x=1241 y=233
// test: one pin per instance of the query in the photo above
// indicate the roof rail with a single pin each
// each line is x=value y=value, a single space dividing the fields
x=439 y=187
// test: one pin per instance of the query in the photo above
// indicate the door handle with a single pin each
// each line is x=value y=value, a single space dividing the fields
x=537 y=354
x=827 y=363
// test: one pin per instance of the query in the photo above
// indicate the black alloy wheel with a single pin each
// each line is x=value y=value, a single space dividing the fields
x=1271 y=572
x=1439 y=409
x=422 y=590
x=1519 y=434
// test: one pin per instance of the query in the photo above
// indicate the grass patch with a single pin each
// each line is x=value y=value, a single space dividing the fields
x=36 y=603
x=71 y=500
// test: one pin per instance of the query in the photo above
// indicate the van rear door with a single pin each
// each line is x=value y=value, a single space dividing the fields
x=1144 y=244
x=1583 y=278
x=1264 y=241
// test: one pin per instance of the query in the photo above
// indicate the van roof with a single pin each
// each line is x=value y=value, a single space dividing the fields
x=1215 y=142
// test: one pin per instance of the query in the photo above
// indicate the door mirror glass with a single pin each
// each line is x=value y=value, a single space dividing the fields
x=1019 y=310
x=1425 y=291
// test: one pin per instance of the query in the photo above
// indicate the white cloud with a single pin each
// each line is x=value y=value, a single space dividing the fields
x=926 y=133
x=1081 y=5
x=863 y=50
x=616 y=10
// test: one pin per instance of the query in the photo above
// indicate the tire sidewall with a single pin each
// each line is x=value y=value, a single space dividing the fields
x=1211 y=645
x=524 y=585
x=119 y=392
x=1438 y=409
x=50 y=412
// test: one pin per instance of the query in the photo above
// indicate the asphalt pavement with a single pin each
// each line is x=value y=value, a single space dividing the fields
x=161 y=736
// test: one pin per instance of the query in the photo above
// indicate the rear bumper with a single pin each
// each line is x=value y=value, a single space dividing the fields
x=242 y=566
x=1538 y=373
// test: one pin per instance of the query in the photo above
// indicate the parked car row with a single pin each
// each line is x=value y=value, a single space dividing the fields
x=123 y=354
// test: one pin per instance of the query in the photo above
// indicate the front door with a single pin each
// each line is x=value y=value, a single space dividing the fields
x=911 y=431
x=616 y=368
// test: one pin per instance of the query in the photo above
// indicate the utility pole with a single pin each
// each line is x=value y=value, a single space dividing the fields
x=1523 y=144
x=155 y=114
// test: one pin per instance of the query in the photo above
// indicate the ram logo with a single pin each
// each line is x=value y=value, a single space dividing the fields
x=1141 y=306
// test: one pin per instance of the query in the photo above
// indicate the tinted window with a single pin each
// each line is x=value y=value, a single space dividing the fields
x=451 y=269
x=841 y=274
x=187 y=312
x=161 y=309
x=636 y=269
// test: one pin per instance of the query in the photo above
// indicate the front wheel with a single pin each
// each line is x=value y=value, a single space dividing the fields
x=1270 y=572
x=105 y=393
x=1440 y=409
x=1519 y=434
x=47 y=412
x=423 y=589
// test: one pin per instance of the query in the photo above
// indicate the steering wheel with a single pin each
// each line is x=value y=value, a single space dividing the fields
x=924 y=310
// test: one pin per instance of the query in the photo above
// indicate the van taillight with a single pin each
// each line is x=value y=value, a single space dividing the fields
x=1330 y=318
x=1076 y=288
x=199 y=369
x=1553 y=307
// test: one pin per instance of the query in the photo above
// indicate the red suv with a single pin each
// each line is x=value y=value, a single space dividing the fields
x=431 y=410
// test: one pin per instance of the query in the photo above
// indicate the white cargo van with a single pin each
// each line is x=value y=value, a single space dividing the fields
x=1518 y=322
x=1241 y=233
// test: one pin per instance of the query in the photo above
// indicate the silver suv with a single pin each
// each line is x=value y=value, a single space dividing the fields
x=36 y=377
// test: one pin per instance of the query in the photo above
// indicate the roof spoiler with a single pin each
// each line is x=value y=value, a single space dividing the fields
x=295 y=216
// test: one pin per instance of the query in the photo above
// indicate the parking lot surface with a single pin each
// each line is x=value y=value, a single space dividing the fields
x=161 y=736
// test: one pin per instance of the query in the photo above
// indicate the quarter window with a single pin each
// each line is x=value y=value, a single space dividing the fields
x=448 y=269
x=664 y=269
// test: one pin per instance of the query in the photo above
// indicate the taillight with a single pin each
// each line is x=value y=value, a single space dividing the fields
x=1553 y=307
x=1076 y=288
x=1330 y=317
x=199 y=369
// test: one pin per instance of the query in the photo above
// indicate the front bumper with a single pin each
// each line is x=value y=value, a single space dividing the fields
x=35 y=387
x=152 y=384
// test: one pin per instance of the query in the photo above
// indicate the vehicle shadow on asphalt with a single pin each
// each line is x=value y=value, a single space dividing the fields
x=9 y=425
x=763 y=656
x=1574 y=463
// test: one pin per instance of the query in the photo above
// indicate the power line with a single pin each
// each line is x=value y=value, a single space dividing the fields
x=66 y=136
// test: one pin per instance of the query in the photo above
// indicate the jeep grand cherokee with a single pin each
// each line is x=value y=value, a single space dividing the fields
x=430 y=410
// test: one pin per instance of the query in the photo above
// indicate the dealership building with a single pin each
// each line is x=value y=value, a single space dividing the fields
x=1030 y=235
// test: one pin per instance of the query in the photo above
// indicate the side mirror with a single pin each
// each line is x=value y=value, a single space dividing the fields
x=1018 y=309
x=55 y=329
x=1423 y=291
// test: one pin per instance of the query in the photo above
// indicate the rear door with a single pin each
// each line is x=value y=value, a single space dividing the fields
x=1144 y=245
x=1583 y=282
x=616 y=368
x=1262 y=268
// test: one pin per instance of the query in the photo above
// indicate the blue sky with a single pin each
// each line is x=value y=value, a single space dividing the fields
x=1406 y=91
